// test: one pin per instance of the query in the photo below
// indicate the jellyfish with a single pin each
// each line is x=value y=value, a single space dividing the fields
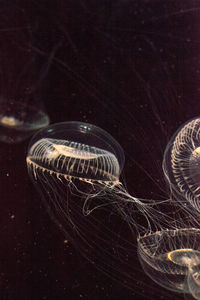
x=75 y=152
x=181 y=165
x=19 y=120
x=172 y=259
x=76 y=168
x=22 y=110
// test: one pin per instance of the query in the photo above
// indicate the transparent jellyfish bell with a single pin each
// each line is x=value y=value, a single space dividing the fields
x=77 y=153
x=22 y=109
x=172 y=259
x=181 y=163
x=94 y=153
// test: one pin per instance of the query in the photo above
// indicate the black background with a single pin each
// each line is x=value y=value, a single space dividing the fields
x=129 y=67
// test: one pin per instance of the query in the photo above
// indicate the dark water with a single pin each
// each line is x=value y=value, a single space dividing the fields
x=129 y=67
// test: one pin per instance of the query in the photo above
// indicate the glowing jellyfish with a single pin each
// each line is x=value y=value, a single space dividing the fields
x=76 y=168
x=84 y=158
x=181 y=163
x=75 y=152
x=172 y=259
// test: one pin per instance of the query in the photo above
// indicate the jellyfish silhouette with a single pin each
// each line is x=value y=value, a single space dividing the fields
x=181 y=165
x=172 y=259
x=76 y=168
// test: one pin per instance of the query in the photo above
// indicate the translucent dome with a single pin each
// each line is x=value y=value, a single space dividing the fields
x=181 y=163
x=20 y=120
x=172 y=259
x=77 y=150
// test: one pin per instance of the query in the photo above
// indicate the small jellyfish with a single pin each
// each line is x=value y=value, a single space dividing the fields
x=19 y=120
x=22 y=72
x=172 y=259
x=181 y=164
